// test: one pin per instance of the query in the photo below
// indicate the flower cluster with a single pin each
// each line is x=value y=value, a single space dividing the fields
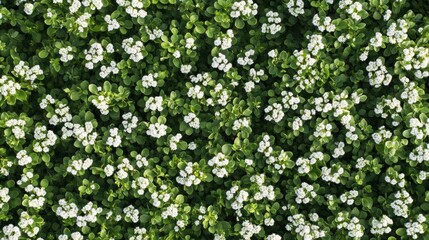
x=154 y=104
x=190 y=175
x=105 y=71
x=112 y=24
x=323 y=24
x=349 y=197
x=416 y=228
x=93 y=55
x=305 y=193
x=221 y=62
x=303 y=228
x=353 y=227
x=149 y=80
x=79 y=166
x=244 y=8
x=192 y=120
x=8 y=86
x=378 y=74
x=44 y=139
x=273 y=26
x=246 y=60
x=29 y=74
x=85 y=133
x=224 y=41
x=174 y=140
x=401 y=202
x=157 y=130
x=129 y=122
x=65 y=53
x=218 y=163
x=380 y=227
x=274 y=112
x=133 y=48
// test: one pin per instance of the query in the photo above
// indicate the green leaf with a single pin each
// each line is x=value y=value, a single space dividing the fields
x=107 y=87
x=46 y=158
x=21 y=95
x=55 y=63
x=367 y=202
x=376 y=15
x=75 y=96
x=86 y=229
x=425 y=206
x=200 y=29
x=406 y=133
x=401 y=232
x=43 y=54
x=374 y=2
x=193 y=18
x=11 y=100
x=290 y=164
x=44 y=183
x=247 y=112
x=89 y=116
x=93 y=89
x=180 y=199
x=227 y=149
x=10 y=183
x=355 y=212
x=239 y=23
x=144 y=218
x=252 y=22
x=182 y=145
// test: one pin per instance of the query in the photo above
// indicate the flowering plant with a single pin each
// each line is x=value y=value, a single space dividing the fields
x=192 y=119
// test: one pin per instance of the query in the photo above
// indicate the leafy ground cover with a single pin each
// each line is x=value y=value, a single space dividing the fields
x=194 y=119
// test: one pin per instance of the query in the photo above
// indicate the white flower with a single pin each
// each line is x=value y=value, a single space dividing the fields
x=192 y=146
x=174 y=140
x=157 y=130
x=246 y=60
x=29 y=74
x=28 y=8
x=133 y=48
x=378 y=74
x=220 y=62
x=83 y=22
x=295 y=7
x=185 y=68
x=218 y=163
x=108 y=170
x=192 y=120
x=273 y=26
x=387 y=15
x=65 y=54
x=176 y=54
x=133 y=8
x=244 y=8
x=274 y=112
x=112 y=24
x=114 y=139
x=315 y=44
x=397 y=31
x=190 y=43
x=150 y=80
x=154 y=104
x=381 y=226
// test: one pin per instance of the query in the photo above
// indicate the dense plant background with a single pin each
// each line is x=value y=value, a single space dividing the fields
x=192 y=119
